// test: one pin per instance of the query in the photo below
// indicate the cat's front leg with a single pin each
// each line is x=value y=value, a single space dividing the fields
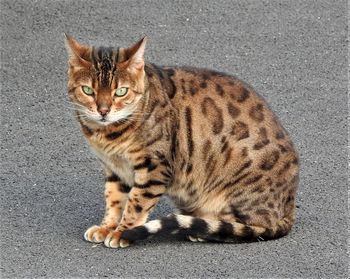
x=116 y=193
x=150 y=184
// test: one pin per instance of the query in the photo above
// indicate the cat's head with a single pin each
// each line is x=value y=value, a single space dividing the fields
x=105 y=83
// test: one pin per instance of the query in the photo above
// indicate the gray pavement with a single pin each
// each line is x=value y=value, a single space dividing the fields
x=293 y=52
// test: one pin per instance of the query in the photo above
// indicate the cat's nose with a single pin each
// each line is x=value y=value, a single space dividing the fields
x=103 y=110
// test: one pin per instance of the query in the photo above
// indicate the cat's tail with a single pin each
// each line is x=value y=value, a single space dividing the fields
x=212 y=230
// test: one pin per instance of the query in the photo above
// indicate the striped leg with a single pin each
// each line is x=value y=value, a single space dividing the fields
x=137 y=209
x=116 y=196
x=150 y=181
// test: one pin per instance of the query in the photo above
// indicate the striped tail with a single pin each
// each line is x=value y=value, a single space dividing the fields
x=212 y=230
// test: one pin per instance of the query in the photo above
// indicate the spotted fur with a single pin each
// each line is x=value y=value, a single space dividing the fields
x=204 y=138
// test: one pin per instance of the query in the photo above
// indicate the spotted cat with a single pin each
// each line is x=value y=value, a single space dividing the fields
x=203 y=138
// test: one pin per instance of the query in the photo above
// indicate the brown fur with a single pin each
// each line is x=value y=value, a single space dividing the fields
x=204 y=138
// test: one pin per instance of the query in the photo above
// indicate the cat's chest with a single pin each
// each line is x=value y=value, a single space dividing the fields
x=113 y=157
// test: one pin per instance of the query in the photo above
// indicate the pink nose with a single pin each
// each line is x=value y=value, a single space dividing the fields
x=103 y=110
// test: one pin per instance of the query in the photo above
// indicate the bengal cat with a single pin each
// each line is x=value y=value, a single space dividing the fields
x=201 y=137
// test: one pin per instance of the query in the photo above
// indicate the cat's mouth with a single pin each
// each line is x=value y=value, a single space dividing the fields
x=104 y=121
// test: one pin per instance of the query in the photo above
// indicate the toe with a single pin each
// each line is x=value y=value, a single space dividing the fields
x=191 y=238
x=96 y=234
x=112 y=239
x=123 y=243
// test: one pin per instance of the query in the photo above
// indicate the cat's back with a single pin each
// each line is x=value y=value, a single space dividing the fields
x=224 y=124
x=219 y=106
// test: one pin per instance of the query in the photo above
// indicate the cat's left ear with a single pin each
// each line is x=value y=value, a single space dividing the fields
x=135 y=56
x=78 y=54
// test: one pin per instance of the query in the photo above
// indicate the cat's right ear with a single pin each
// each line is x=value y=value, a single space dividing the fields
x=77 y=53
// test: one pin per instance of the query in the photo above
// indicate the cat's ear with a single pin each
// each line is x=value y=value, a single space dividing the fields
x=135 y=55
x=78 y=54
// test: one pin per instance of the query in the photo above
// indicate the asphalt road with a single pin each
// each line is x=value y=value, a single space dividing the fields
x=293 y=52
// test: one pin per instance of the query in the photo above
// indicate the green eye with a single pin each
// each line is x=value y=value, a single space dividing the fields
x=120 y=92
x=87 y=90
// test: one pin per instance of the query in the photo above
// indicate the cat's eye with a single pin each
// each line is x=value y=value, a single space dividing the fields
x=87 y=90
x=120 y=92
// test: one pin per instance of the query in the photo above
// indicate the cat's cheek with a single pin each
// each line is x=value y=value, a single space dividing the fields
x=118 y=105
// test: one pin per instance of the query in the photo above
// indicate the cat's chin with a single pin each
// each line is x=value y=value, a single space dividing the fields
x=105 y=122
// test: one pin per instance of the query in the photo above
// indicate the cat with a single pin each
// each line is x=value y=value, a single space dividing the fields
x=204 y=138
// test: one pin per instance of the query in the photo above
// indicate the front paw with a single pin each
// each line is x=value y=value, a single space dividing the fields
x=113 y=240
x=96 y=234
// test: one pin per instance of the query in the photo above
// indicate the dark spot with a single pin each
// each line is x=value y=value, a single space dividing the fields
x=257 y=188
x=285 y=167
x=193 y=90
x=270 y=160
x=280 y=135
x=237 y=180
x=244 y=152
x=253 y=179
x=149 y=195
x=170 y=72
x=117 y=134
x=150 y=183
x=262 y=212
x=244 y=166
x=192 y=192
x=228 y=155
x=244 y=94
x=263 y=140
x=219 y=89
x=271 y=205
x=124 y=188
x=224 y=147
x=203 y=84
x=158 y=71
x=206 y=148
x=295 y=161
x=205 y=76
x=188 y=117
x=183 y=85
x=113 y=178
x=214 y=114
x=282 y=148
x=236 y=195
x=239 y=215
x=233 y=110
x=239 y=130
x=256 y=112
x=86 y=130
x=171 y=88
x=146 y=164
x=138 y=208
x=114 y=203
x=289 y=199
x=189 y=168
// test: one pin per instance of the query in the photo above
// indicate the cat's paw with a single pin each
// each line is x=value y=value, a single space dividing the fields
x=96 y=234
x=195 y=239
x=113 y=240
